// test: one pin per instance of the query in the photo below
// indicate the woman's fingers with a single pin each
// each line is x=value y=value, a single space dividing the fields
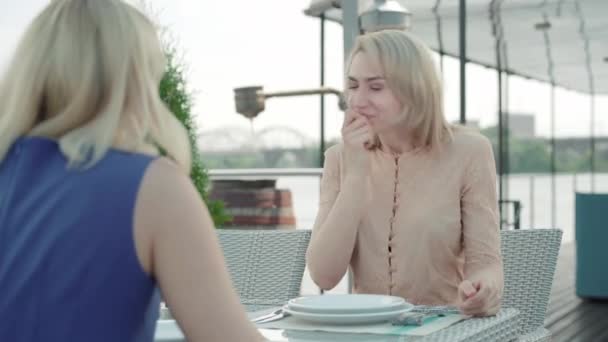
x=358 y=132
x=349 y=117
x=359 y=135
x=485 y=302
x=357 y=123
x=466 y=290
x=478 y=300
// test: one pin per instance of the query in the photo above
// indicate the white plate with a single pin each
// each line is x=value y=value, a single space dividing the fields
x=360 y=318
x=347 y=304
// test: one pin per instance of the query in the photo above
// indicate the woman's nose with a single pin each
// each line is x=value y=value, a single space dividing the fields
x=357 y=100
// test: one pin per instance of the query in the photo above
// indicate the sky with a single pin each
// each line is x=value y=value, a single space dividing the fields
x=272 y=43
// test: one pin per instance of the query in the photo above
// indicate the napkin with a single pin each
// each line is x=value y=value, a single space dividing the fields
x=430 y=325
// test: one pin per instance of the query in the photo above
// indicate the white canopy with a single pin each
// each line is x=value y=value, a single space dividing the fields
x=561 y=40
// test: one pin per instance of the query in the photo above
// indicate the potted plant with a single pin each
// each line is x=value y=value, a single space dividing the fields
x=174 y=92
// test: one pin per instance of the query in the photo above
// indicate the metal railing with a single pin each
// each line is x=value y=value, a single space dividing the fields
x=514 y=220
x=512 y=208
x=260 y=173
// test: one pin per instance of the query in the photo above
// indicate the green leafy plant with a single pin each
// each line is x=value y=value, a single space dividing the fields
x=175 y=94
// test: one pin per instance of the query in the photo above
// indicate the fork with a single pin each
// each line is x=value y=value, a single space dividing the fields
x=271 y=317
x=419 y=313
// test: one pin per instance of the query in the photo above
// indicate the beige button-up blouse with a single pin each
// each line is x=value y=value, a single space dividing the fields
x=430 y=220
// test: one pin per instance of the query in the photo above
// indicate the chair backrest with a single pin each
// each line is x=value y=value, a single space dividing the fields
x=266 y=266
x=529 y=258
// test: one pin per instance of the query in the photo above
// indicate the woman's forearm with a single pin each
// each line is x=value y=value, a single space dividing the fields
x=333 y=241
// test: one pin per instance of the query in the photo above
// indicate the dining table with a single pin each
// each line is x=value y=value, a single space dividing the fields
x=504 y=326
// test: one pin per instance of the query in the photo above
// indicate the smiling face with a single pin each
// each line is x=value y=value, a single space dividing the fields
x=370 y=95
x=393 y=80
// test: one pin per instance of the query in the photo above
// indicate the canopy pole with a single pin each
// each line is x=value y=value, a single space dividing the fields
x=544 y=28
x=322 y=98
x=592 y=142
x=462 y=43
x=439 y=37
x=553 y=159
x=498 y=37
x=350 y=25
x=588 y=58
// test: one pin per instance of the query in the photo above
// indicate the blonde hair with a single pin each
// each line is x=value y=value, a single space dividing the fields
x=411 y=74
x=86 y=73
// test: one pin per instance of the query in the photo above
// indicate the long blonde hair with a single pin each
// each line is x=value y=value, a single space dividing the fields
x=411 y=74
x=86 y=73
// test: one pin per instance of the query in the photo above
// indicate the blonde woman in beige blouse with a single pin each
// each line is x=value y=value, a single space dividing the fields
x=407 y=201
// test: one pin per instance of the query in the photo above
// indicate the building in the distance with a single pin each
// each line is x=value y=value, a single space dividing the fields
x=521 y=125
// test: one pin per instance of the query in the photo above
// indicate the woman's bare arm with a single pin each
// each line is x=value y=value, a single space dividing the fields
x=177 y=244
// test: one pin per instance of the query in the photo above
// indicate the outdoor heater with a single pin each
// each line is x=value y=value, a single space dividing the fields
x=379 y=15
x=250 y=101
x=385 y=15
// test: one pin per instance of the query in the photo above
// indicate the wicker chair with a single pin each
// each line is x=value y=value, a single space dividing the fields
x=529 y=258
x=266 y=266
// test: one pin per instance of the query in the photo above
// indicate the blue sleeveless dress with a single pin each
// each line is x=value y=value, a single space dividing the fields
x=68 y=265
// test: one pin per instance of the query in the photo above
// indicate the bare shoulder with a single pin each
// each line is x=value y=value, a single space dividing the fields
x=166 y=178
x=167 y=192
x=164 y=169
x=163 y=193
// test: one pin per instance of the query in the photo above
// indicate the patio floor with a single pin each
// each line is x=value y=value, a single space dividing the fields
x=570 y=318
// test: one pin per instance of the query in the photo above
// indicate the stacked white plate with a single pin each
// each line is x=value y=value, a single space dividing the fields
x=347 y=309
